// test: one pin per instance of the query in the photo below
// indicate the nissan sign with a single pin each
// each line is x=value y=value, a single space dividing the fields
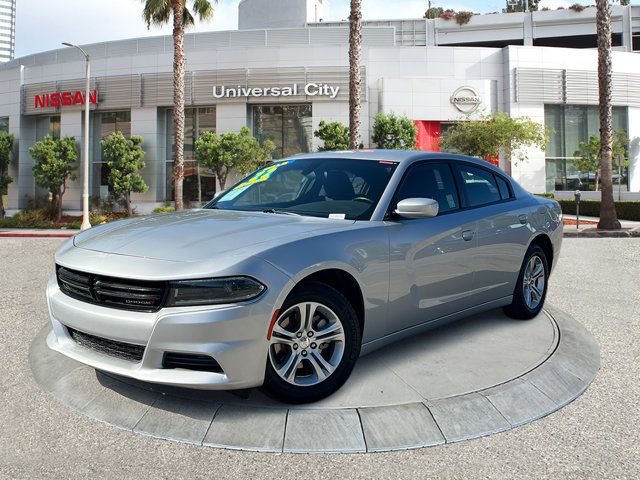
x=466 y=99
x=63 y=99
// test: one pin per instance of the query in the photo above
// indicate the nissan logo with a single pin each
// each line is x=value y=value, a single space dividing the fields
x=466 y=99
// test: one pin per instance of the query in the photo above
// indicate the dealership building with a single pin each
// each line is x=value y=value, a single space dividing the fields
x=285 y=69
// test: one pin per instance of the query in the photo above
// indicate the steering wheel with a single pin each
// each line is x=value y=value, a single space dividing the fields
x=363 y=199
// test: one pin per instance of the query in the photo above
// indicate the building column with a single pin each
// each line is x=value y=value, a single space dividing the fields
x=528 y=29
x=145 y=123
x=634 y=149
x=231 y=117
x=71 y=126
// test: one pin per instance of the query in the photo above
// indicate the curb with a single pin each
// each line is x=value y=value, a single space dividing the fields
x=595 y=233
x=35 y=235
x=564 y=375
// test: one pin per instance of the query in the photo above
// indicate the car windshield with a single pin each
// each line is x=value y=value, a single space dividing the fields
x=320 y=187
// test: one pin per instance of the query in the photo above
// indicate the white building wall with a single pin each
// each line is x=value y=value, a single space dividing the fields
x=634 y=149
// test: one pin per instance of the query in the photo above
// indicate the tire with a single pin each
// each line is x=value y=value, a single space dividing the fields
x=295 y=371
x=523 y=307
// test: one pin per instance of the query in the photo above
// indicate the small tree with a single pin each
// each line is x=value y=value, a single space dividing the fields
x=588 y=154
x=55 y=165
x=334 y=135
x=229 y=150
x=124 y=158
x=393 y=132
x=6 y=147
x=490 y=135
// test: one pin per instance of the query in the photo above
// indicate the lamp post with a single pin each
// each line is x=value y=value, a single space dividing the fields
x=85 y=143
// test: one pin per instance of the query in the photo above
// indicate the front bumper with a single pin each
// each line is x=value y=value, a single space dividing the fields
x=234 y=335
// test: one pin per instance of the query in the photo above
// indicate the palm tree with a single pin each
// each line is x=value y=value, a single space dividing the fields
x=355 y=46
x=160 y=12
x=608 y=216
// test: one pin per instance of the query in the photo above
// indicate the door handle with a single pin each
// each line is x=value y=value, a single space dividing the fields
x=467 y=235
x=523 y=219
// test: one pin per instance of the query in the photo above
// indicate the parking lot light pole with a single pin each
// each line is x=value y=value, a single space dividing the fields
x=86 y=224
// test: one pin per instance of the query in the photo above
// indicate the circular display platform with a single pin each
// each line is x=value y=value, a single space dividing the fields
x=475 y=377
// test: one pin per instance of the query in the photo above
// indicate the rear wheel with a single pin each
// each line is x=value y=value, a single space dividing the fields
x=314 y=345
x=531 y=287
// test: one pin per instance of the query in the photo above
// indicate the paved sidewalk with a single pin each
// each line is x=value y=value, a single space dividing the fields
x=588 y=229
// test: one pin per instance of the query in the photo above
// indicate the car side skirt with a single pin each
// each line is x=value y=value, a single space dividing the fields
x=394 y=337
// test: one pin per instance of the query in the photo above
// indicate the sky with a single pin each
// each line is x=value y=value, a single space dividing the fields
x=40 y=27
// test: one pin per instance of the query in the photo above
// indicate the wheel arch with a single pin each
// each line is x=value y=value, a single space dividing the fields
x=340 y=279
x=544 y=241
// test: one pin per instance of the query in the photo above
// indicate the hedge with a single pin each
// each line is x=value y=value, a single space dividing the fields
x=591 y=208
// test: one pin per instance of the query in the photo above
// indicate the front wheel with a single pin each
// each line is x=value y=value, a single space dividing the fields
x=531 y=287
x=314 y=345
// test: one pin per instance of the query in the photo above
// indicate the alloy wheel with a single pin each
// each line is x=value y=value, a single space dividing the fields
x=307 y=344
x=533 y=282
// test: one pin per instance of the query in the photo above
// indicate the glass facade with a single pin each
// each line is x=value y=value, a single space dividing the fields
x=570 y=125
x=288 y=126
x=196 y=121
x=104 y=124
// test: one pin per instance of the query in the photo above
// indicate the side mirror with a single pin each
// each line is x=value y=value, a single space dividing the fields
x=417 y=208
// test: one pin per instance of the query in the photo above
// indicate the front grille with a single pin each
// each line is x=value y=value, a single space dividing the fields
x=137 y=295
x=189 y=361
x=125 y=351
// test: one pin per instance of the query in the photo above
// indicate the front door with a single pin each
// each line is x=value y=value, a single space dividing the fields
x=430 y=259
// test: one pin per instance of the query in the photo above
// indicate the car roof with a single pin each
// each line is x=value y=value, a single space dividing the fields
x=400 y=156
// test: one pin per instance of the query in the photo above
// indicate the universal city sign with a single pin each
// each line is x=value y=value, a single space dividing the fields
x=310 y=90
x=63 y=99
x=466 y=99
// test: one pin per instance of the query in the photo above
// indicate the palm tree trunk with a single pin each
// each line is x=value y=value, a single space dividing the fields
x=608 y=216
x=355 y=46
x=178 y=100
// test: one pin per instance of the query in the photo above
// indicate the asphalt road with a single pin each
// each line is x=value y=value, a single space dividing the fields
x=595 y=437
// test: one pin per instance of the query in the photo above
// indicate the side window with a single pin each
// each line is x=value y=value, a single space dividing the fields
x=505 y=193
x=430 y=180
x=479 y=185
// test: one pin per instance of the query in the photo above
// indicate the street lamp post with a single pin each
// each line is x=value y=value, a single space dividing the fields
x=86 y=224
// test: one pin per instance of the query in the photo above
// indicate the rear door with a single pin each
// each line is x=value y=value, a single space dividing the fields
x=502 y=231
x=430 y=258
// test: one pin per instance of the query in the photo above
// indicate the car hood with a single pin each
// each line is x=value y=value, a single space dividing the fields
x=201 y=234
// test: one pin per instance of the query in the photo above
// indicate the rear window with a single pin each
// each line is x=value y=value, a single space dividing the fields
x=479 y=185
x=505 y=193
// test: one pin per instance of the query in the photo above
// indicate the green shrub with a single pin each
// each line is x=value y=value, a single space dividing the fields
x=334 y=136
x=393 y=132
x=591 y=208
x=97 y=218
x=164 y=209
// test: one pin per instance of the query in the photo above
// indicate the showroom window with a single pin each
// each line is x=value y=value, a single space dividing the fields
x=196 y=121
x=570 y=125
x=104 y=124
x=4 y=124
x=288 y=126
x=48 y=126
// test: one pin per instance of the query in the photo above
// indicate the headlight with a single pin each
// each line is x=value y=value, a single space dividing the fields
x=213 y=291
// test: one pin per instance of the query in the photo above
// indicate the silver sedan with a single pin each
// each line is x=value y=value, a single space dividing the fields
x=285 y=279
